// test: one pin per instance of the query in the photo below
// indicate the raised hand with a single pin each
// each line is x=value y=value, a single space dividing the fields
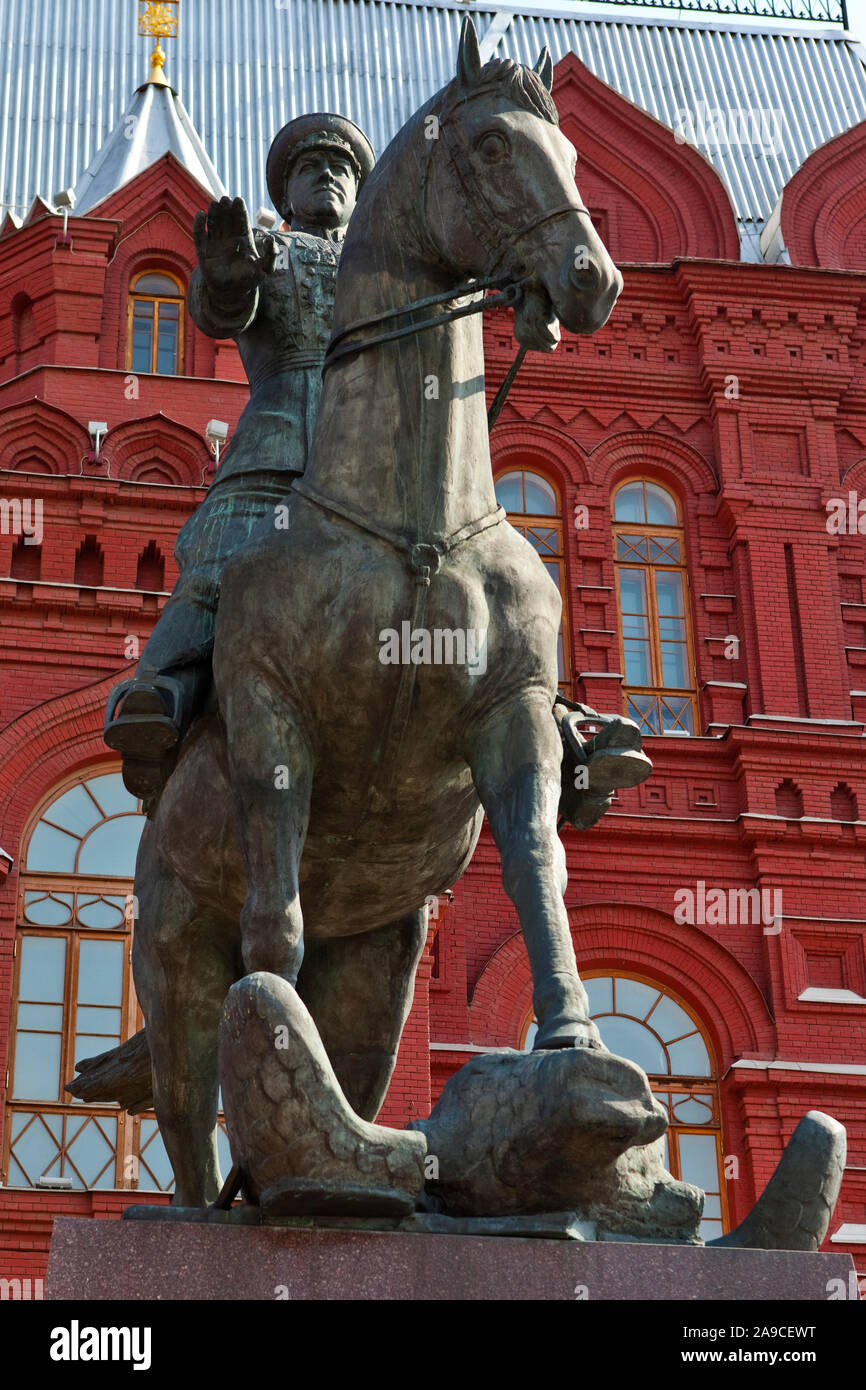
x=227 y=254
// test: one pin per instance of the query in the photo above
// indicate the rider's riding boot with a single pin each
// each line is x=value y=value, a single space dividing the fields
x=143 y=722
x=613 y=757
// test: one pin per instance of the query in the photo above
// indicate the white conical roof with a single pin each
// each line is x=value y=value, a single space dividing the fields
x=155 y=123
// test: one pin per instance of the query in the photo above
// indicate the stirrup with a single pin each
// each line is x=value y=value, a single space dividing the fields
x=157 y=732
x=612 y=766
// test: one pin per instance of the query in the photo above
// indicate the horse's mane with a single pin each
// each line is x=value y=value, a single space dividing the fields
x=521 y=84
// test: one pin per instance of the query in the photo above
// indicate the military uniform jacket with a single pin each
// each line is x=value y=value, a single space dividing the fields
x=282 y=330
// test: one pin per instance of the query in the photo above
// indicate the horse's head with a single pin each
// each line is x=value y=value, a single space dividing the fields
x=500 y=195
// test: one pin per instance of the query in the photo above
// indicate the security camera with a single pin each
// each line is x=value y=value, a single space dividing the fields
x=265 y=219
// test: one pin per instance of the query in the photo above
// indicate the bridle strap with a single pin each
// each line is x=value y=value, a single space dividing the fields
x=497 y=239
x=560 y=211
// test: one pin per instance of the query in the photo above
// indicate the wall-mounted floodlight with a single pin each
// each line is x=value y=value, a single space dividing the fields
x=97 y=429
x=64 y=201
x=216 y=433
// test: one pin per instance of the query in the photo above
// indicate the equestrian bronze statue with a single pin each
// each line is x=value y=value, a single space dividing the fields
x=329 y=794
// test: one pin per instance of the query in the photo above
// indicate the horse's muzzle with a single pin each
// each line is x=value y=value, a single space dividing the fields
x=587 y=293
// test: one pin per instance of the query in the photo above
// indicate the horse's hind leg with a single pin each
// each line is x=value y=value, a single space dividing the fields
x=515 y=760
x=183 y=967
x=359 y=991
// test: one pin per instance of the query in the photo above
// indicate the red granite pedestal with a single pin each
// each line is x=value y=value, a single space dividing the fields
x=176 y=1261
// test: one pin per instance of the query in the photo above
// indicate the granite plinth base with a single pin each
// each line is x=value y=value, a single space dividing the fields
x=187 y=1261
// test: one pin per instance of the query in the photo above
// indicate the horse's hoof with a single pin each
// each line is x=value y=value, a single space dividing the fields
x=567 y=1033
x=300 y=1145
x=292 y=1197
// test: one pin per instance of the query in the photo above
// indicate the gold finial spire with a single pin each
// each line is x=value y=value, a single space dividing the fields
x=158 y=18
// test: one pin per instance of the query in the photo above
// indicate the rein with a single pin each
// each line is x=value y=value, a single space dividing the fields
x=511 y=288
x=510 y=285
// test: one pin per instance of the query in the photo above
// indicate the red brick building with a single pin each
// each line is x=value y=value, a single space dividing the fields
x=677 y=471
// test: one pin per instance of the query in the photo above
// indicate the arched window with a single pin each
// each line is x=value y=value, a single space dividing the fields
x=647 y=1024
x=74 y=997
x=155 y=336
x=534 y=509
x=652 y=597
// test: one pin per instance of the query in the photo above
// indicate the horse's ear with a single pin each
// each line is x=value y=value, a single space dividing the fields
x=544 y=67
x=468 y=54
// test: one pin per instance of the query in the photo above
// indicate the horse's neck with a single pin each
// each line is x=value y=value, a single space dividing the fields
x=401 y=434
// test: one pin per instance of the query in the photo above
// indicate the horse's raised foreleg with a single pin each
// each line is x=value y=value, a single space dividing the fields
x=271 y=770
x=183 y=968
x=515 y=760
x=359 y=991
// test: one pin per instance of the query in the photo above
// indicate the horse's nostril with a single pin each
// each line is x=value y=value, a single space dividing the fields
x=585 y=278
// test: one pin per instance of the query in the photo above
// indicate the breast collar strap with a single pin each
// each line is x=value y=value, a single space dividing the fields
x=423 y=557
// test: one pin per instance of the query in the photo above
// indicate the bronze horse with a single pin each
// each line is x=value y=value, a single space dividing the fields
x=309 y=819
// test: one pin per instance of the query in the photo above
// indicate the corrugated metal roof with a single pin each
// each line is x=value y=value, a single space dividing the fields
x=244 y=67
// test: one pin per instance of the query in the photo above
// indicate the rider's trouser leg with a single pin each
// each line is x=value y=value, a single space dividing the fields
x=174 y=671
x=181 y=644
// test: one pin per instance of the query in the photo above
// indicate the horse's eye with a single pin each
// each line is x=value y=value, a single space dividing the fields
x=493 y=146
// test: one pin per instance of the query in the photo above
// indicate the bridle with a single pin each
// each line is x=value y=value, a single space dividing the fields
x=495 y=236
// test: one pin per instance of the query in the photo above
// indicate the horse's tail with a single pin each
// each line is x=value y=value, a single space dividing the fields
x=122 y=1076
